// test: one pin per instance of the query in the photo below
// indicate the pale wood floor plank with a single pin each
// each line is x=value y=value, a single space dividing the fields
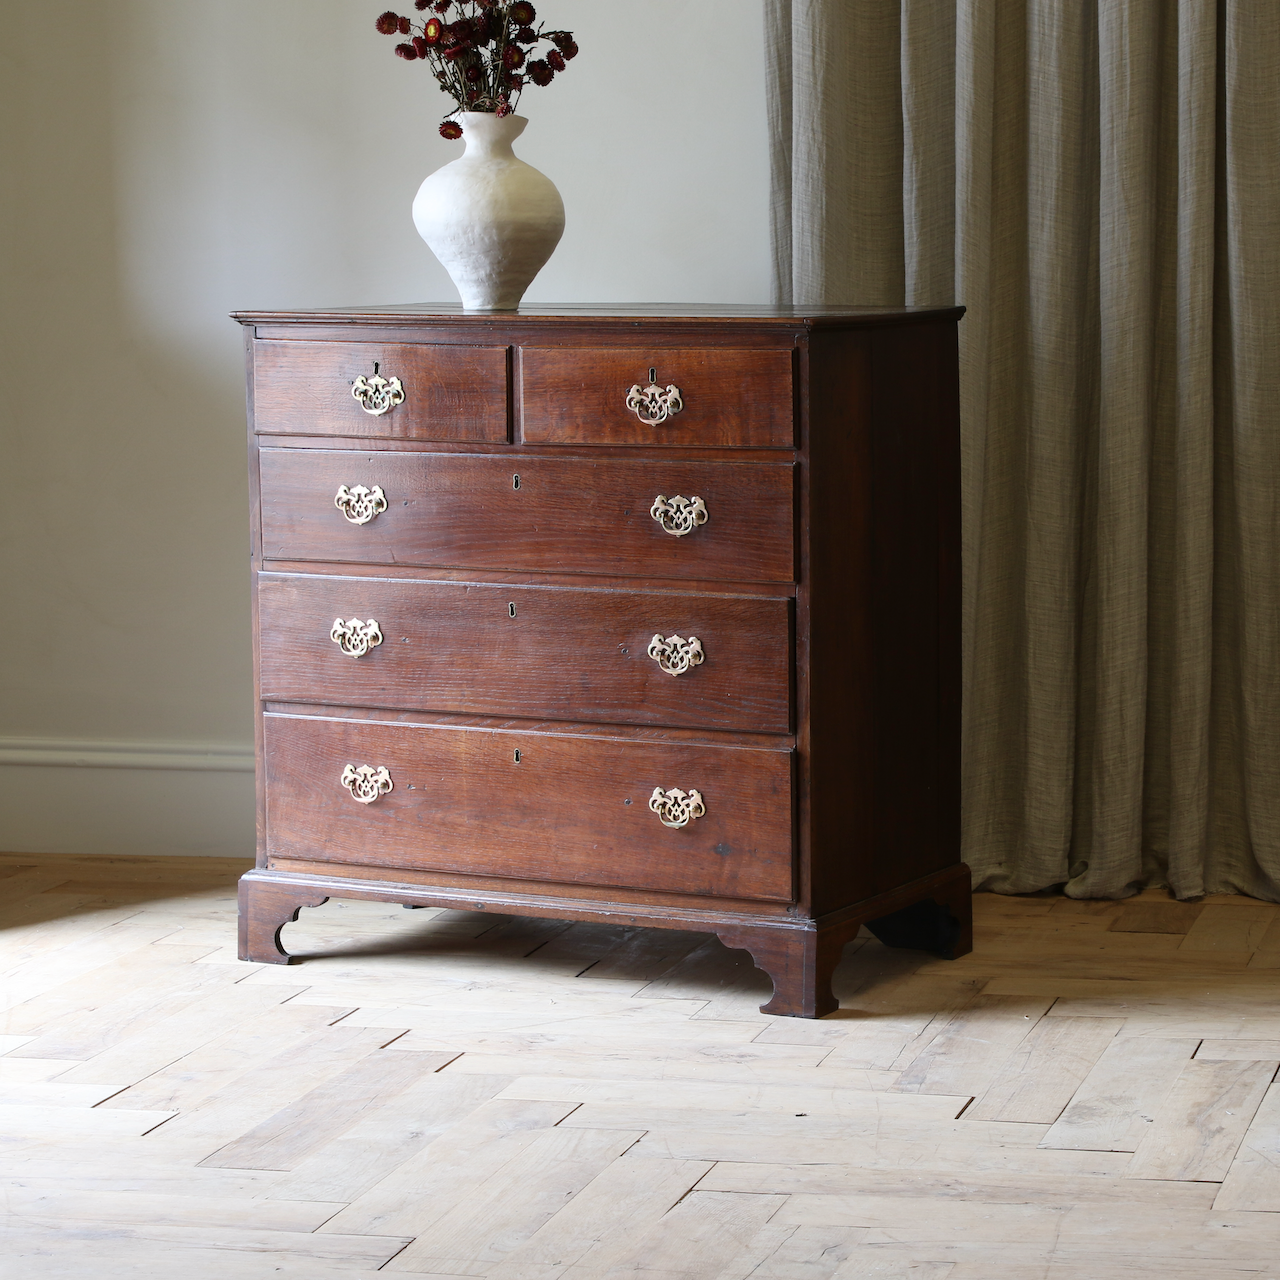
x=1119 y=1099
x=794 y=1253
x=700 y=1237
x=606 y=1219
x=298 y=1130
x=1253 y=1179
x=350 y=1163
x=475 y=1236
x=1202 y=1122
x=449 y=1170
x=968 y=1050
x=260 y=1092
x=1042 y=1074
x=160 y=1058
x=1240 y=1050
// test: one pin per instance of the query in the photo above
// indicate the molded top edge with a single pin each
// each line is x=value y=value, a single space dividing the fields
x=733 y=313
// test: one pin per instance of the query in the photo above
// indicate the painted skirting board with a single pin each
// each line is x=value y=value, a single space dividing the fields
x=61 y=795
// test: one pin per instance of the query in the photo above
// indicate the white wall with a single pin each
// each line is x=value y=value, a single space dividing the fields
x=163 y=162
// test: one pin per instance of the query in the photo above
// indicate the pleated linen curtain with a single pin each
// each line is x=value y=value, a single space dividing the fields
x=1098 y=181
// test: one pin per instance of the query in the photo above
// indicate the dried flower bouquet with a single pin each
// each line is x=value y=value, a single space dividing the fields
x=480 y=51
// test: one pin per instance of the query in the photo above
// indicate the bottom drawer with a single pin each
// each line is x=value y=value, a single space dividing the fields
x=547 y=807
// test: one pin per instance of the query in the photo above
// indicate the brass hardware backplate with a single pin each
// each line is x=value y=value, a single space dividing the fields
x=679 y=516
x=360 y=505
x=676 y=808
x=675 y=655
x=654 y=404
x=377 y=395
x=366 y=783
x=354 y=637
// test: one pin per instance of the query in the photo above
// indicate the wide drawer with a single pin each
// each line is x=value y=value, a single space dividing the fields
x=548 y=807
x=541 y=514
x=557 y=653
x=704 y=397
x=407 y=391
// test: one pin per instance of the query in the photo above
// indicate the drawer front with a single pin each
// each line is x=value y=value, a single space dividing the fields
x=430 y=392
x=572 y=810
x=539 y=514
x=726 y=399
x=533 y=651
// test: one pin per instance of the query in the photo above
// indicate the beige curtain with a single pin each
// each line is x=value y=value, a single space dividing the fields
x=1098 y=181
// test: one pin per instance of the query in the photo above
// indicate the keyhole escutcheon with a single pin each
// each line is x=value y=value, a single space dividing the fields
x=511 y=610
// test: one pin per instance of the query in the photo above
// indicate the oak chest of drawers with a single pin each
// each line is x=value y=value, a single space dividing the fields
x=649 y=617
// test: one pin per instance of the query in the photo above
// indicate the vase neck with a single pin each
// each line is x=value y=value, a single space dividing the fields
x=489 y=136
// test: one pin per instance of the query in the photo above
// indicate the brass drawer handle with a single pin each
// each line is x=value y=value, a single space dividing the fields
x=360 y=505
x=654 y=404
x=678 y=515
x=675 y=655
x=366 y=783
x=677 y=808
x=377 y=395
x=355 y=638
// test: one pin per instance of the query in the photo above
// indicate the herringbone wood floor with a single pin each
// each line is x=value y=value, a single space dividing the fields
x=1088 y=1096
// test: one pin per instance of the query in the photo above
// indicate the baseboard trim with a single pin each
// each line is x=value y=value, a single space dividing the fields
x=72 y=753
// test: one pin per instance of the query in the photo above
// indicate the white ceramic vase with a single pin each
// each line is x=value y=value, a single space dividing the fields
x=491 y=219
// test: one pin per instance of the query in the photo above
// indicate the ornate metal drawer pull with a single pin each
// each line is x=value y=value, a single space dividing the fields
x=377 y=395
x=678 y=515
x=677 y=808
x=675 y=655
x=366 y=783
x=355 y=638
x=654 y=404
x=360 y=505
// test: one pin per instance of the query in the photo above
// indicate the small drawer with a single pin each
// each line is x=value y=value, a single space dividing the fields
x=705 y=397
x=549 y=807
x=391 y=391
x=615 y=657
x=730 y=521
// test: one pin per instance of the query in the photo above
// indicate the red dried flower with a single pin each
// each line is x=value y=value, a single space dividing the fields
x=421 y=4
x=504 y=108
x=569 y=50
x=404 y=25
x=431 y=32
x=526 y=35
x=514 y=83
x=442 y=6
x=451 y=129
x=389 y=23
x=555 y=60
x=512 y=57
x=407 y=52
x=540 y=72
x=472 y=73
x=420 y=46
x=522 y=13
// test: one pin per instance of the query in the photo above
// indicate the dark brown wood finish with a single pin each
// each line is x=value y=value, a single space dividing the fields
x=731 y=398
x=829 y=758
x=567 y=810
x=450 y=392
x=445 y=510
x=561 y=653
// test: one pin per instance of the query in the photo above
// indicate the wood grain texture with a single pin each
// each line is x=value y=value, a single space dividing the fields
x=566 y=655
x=451 y=392
x=503 y=1161
x=1201 y=1123
x=732 y=398
x=461 y=802
x=572 y=515
x=1252 y=1183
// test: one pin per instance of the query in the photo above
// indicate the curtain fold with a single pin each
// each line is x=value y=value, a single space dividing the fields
x=1099 y=183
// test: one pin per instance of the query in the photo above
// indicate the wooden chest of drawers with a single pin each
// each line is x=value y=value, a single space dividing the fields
x=649 y=617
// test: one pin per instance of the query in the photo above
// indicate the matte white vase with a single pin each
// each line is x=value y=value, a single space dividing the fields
x=491 y=219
